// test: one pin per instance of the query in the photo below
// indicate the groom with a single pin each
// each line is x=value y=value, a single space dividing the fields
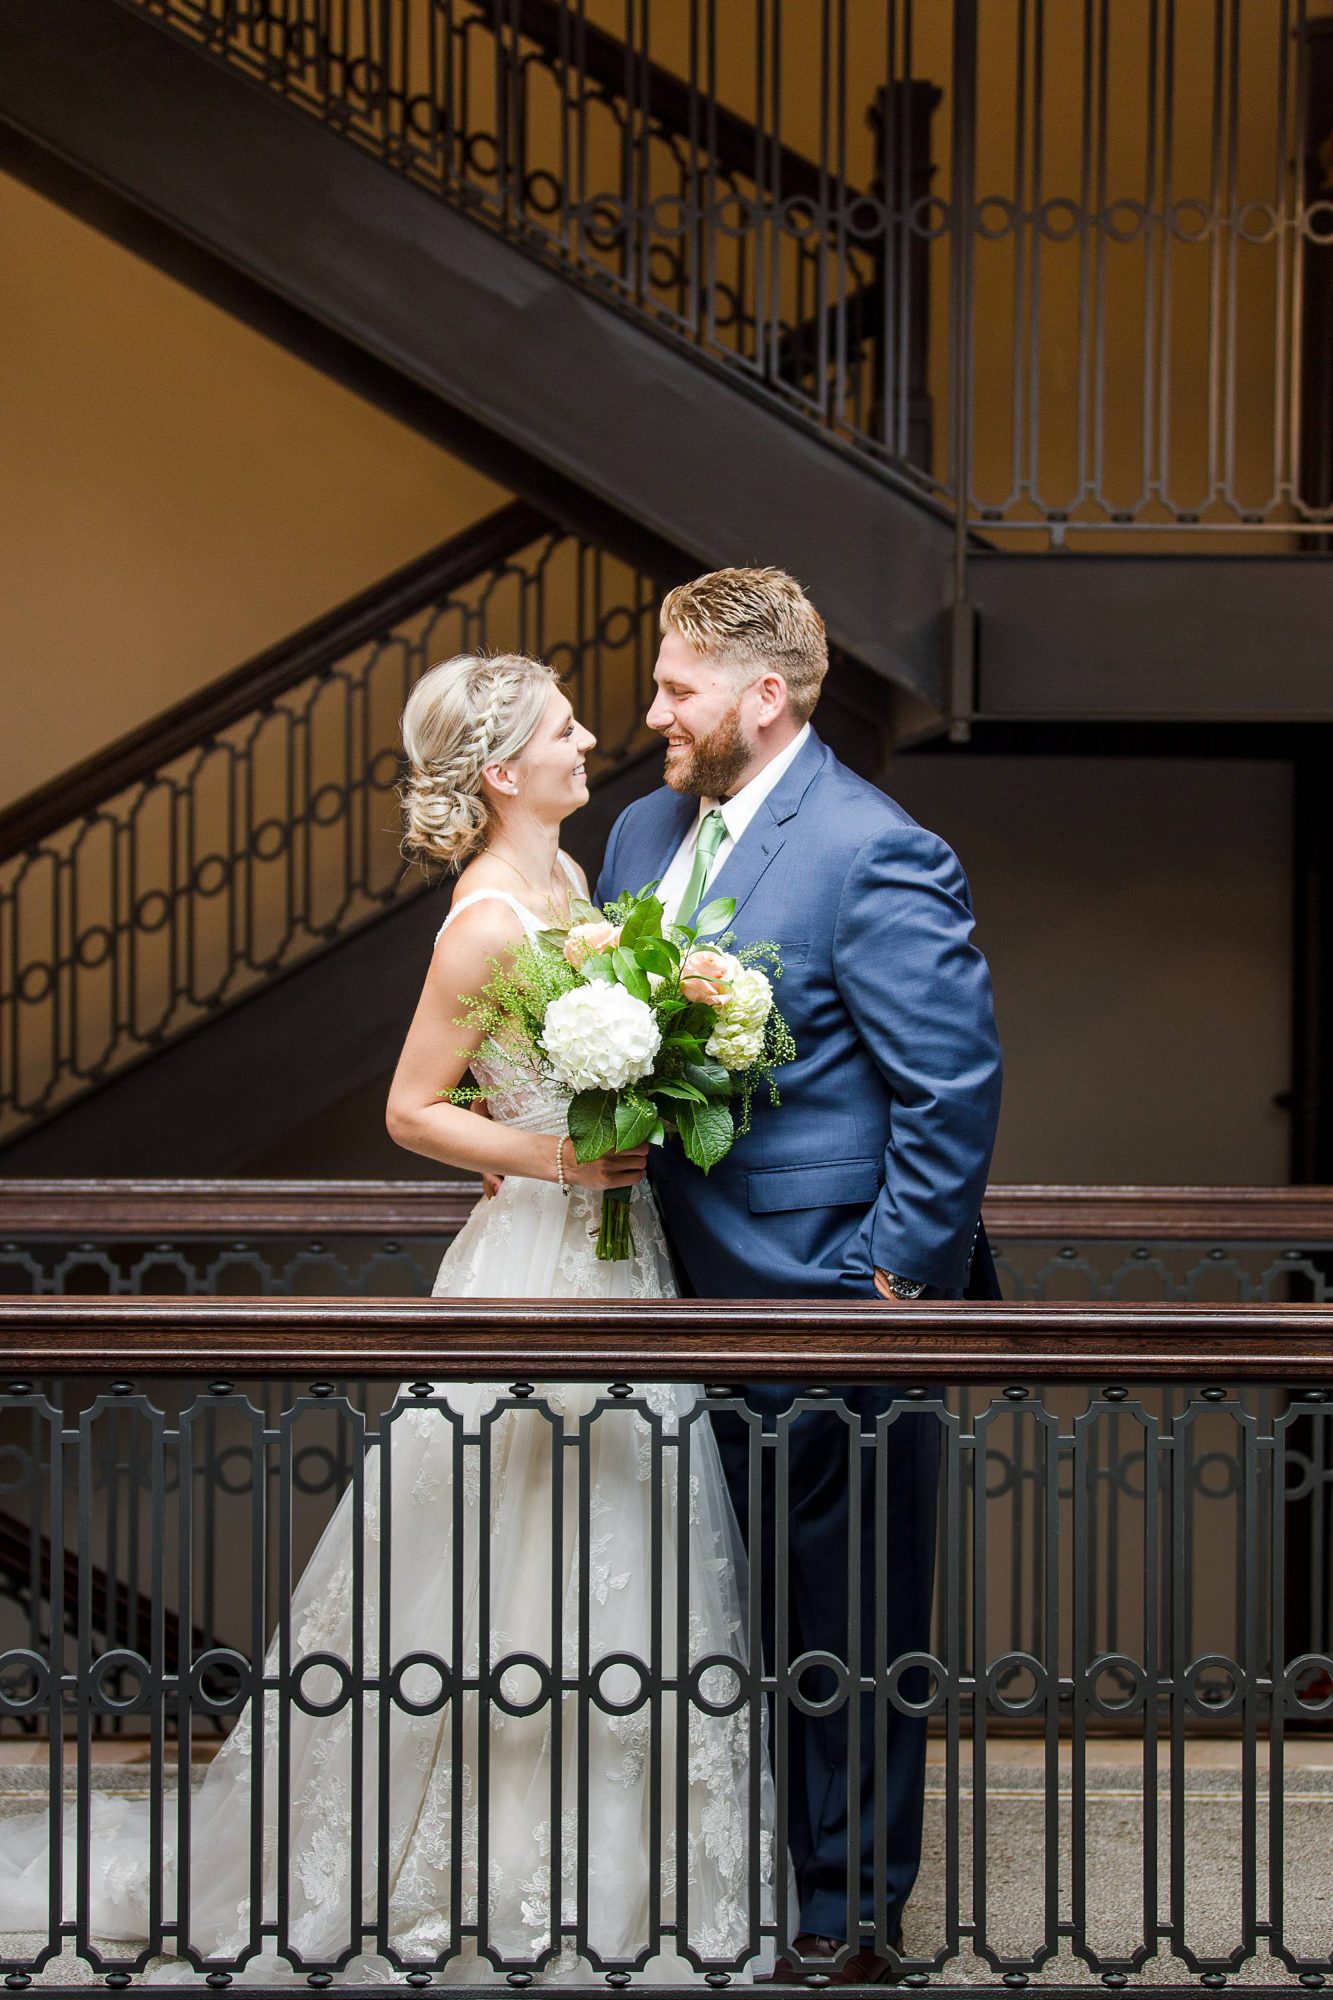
x=868 y=1180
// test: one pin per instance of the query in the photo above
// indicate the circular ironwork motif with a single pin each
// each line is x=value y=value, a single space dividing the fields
x=708 y=1700
x=341 y=1672
x=415 y=1704
x=817 y=1662
x=103 y=1673
x=20 y=1661
x=509 y=1703
x=1197 y=1686
x=1295 y=1703
x=613 y=1663
x=1115 y=1665
x=1016 y=1663
x=224 y=1662
x=909 y=1663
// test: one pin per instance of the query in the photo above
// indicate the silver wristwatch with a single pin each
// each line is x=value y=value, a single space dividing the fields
x=903 y=1288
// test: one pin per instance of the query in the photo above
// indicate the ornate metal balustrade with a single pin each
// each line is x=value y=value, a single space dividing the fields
x=249 y=829
x=1060 y=269
x=385 y=1239
x=1070 y=1865
x=378 y=1238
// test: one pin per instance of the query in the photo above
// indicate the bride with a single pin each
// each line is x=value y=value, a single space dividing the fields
x=546 y=1817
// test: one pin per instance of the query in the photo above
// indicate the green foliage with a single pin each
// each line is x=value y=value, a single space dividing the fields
x=708 y=1105
x=706 y=1133
x=592 y=1123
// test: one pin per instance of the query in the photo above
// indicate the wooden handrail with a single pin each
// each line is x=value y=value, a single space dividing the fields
x=317 y=646
x=203 y=1208
x=689 y=1340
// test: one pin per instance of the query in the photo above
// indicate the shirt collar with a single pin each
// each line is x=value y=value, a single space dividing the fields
x=741 y=807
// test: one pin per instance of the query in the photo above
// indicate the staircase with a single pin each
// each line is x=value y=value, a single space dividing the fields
x=575 y=250
x=235 y=865
x=682 y=337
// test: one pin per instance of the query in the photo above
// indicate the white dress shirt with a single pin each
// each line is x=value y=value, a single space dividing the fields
x=737 y=812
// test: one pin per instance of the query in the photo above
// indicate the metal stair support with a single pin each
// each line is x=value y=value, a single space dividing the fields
x=590 y=392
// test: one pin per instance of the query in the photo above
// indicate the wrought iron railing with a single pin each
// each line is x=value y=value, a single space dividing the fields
x=1062 y=270
x=385 y=1239
x=255 y=825
x=1078 y=1863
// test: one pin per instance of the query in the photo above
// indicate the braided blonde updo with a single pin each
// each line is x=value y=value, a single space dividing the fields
x=461 y=716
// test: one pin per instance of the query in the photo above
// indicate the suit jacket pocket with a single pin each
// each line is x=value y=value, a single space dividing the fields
x=831 y=1184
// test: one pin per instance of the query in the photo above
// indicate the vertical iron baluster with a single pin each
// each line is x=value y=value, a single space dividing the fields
x=657 y=1586
x=788 y=1920
x=582 y=1849
x=954 y=1662
x=980 y=1628
x=556 y=1738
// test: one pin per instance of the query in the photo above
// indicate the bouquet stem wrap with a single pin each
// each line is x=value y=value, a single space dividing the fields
x=615 y=1237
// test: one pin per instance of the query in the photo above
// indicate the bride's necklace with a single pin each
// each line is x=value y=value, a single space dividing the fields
x=547 y=895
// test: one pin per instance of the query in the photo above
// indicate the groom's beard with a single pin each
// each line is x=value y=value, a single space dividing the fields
x=712 y=765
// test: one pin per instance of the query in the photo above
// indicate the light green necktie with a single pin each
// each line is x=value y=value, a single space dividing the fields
x=712 y=833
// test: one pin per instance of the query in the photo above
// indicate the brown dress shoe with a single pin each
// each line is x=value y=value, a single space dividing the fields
x=863 y=1968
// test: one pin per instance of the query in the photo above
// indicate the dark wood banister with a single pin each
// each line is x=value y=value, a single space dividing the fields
x=682 y=1340
x=203 y=1208
x=235 y=695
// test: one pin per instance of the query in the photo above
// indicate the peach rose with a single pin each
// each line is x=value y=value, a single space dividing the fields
x=704 y=976
x=584 y=939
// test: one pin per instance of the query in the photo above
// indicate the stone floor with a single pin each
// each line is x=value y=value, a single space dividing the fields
x=1010 y=1833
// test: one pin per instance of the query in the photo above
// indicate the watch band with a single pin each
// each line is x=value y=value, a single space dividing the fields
x=903 y=1288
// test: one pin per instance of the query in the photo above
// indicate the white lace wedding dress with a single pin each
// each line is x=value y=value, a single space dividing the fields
x=465 y=1772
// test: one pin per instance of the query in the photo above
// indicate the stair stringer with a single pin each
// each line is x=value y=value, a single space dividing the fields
x=494 y=333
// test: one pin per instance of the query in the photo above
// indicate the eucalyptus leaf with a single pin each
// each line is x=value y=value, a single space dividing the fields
x=592 y=1124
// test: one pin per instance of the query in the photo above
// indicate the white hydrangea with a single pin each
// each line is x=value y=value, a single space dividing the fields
x=599 y=1037
x=738 y=1039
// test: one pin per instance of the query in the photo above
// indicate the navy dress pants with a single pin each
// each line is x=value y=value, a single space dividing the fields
x=830 y=1808
x=888 y=1570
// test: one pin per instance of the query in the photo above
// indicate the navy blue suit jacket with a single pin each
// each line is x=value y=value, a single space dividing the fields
x=879 y=1152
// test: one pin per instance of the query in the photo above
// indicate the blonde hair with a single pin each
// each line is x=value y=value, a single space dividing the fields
x=461 y=716
x=754 y=618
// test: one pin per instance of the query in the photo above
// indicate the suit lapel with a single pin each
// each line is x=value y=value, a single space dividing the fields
x=665 y=825
x=766 y=835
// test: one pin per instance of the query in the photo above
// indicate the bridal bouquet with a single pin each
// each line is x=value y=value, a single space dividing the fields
x=651 y=1030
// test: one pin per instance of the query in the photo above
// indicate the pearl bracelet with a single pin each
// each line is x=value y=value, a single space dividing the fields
x=560 y=1166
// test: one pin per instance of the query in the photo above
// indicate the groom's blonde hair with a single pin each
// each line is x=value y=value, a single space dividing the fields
x=750 y=620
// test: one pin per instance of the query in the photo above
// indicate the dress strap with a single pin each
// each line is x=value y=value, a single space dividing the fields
x=571 y=873
x=521 y=910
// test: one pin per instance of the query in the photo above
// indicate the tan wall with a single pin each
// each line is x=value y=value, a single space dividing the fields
x=176 y=491
x=1136 y=914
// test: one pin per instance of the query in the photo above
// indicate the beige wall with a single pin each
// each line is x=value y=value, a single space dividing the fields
x=176 y=491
